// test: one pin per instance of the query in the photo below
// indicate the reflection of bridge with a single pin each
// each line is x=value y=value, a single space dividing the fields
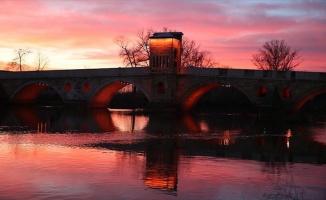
x=165 y=84
x=45 y=120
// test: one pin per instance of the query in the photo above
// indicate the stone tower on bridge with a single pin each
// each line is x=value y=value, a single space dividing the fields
x=165 y=64
x=165 y=52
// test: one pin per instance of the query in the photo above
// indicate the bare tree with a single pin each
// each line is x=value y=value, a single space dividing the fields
x=276 y=55
x=192 y=55
x=41 y=61
x=138 y=54
x=126 y=52
x=17 y=63
x=135 y=54
x=143 y=46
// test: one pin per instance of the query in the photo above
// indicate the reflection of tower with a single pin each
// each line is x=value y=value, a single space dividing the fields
x=165 y=64
x=162 y=165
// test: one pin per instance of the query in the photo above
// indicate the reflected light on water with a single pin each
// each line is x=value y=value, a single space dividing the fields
x=288 y=135
x=41 y=127
x=320 y=131
x=226 y=137
x=162 y=181
x=203 y=126
x=128 y=155
x=128 y=122
x=58 y=172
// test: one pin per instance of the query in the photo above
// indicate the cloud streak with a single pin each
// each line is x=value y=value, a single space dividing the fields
x=231 y=30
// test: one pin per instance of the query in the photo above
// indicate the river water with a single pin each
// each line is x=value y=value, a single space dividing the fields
x=59 y=153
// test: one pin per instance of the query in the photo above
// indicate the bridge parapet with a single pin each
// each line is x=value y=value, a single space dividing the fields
x=237 y=73
x=77 y=73
x=309 y=75
x=257 y=74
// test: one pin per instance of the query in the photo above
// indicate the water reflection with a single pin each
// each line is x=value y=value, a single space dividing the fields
x=161 y=164
x=58 y=119
x=211 y=133
x=165 y=145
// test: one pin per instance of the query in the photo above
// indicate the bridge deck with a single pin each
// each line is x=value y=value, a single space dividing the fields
x=235 y=73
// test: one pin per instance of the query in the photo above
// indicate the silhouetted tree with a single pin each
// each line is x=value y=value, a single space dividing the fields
x=276 y=55
x=143 y=46
x=127 y=53
x=137 y=54
x=17 y=62
x=41 y=61
x=191 y=55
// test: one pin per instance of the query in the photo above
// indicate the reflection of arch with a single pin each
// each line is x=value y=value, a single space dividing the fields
x=190 y=123
x=54 y=119
x=37 y=118
x=102 y=96
x=191 y=97
x=128 y=121
x=103 y=119
x=29 y=92
x=27 y=116
x=306 y=97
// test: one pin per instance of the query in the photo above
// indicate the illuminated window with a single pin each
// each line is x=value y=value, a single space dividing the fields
x=160 y=88
x=261 y=91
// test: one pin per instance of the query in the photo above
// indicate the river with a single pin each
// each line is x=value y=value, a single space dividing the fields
x=60 y=153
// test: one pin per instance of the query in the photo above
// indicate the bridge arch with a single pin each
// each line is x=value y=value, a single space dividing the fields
x=307 y=95
x=103 y=94
x=194 y=93
x=30 y=91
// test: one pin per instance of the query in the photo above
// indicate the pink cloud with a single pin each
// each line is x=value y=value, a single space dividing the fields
x=231 y=30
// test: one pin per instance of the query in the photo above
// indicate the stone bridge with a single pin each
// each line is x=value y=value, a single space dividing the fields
x=96 y=87
x=165 y=83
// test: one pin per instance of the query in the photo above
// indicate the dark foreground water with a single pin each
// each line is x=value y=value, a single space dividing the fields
x=55 y=153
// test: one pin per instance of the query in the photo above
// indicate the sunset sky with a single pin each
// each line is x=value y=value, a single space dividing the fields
x=80 y=33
